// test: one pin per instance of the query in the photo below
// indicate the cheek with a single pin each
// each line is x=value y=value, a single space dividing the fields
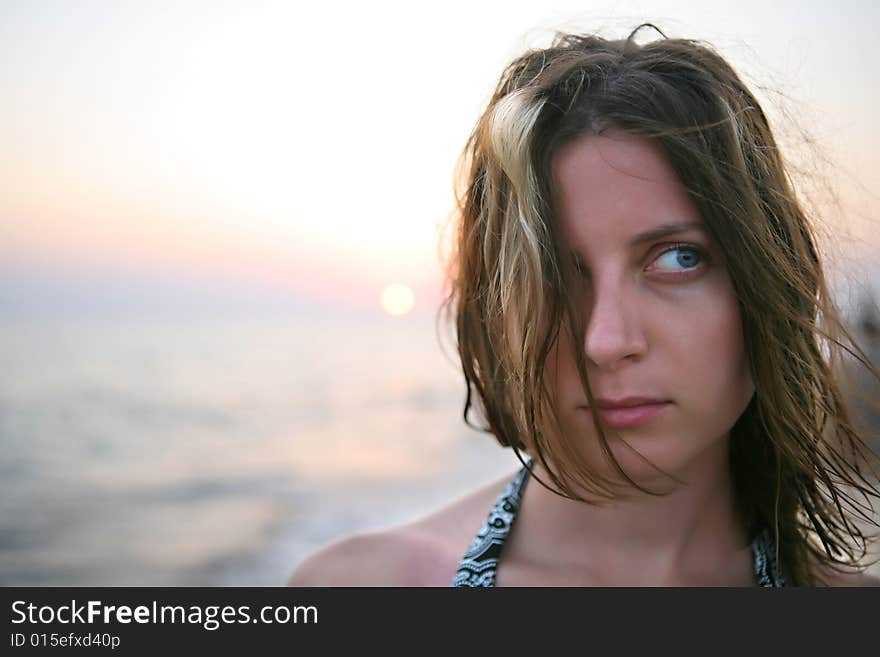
x=560 y=371
x=717 y=370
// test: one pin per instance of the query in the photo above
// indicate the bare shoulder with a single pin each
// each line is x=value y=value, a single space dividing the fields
x=384 y=558
x=849 y=578
x=425 y=552
x=853 y=579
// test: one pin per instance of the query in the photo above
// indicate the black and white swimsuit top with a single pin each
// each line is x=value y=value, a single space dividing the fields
x=477 y=567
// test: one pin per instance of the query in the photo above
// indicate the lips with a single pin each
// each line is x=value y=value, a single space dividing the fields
x=627 y=402
x=629 y=411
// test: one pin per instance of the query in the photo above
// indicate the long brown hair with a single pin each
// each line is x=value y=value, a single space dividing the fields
x=797 y=461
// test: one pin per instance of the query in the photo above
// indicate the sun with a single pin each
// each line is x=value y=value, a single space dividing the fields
x=397 y=299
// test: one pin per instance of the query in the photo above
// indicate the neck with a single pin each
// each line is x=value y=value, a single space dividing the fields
x=693 y=533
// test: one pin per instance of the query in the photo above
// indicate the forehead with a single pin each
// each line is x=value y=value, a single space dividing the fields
x=611 y=187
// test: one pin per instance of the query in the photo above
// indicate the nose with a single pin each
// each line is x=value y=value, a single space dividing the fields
x=614 y=331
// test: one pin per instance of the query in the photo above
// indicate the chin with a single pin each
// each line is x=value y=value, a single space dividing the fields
x=654 y=459
x=652 y=456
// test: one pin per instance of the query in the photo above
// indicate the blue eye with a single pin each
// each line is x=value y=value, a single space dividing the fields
x=686 y=257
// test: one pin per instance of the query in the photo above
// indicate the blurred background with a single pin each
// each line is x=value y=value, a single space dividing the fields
x=220 y=232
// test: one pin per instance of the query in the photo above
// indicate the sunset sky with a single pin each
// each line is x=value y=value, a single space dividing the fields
x=309 y=148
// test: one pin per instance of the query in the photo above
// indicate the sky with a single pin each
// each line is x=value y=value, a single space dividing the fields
x=286 y=148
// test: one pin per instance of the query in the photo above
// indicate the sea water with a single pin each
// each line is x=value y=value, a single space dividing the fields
x=217 y=451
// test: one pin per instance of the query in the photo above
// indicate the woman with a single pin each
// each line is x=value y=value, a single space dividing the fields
x=642 y=316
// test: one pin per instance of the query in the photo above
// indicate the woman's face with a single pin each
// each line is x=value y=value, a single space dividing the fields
x=662 y=320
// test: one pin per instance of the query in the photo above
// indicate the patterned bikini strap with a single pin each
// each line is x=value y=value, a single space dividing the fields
x=477 y=567
x=768 y=572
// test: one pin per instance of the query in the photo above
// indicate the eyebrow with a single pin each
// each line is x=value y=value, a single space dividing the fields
x=663 y=230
